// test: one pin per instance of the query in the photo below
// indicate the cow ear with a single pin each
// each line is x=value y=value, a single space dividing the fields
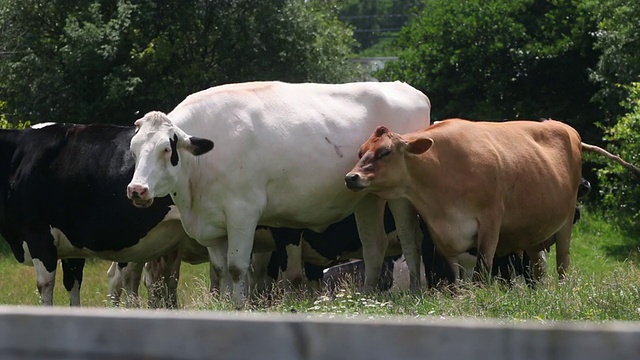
x=198 y=146
x=419 y=145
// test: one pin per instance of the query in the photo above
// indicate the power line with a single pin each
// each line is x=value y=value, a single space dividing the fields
x=376 y=30
x=356 y=17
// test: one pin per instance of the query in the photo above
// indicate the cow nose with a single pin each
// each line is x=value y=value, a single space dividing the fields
x=137 y=191
x=351 y=180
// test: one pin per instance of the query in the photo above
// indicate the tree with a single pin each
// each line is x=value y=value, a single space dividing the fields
x=104 y=61
x=619 y=189
x=617 y=72
x=618 y=39
x=501 y=60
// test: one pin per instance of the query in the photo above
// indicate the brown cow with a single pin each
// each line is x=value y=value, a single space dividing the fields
x=477 y=182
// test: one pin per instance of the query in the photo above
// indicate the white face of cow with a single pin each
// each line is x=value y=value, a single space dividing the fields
x=158 y=147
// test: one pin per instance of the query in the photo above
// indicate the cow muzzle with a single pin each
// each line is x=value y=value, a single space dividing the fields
x=354 y=181
x=139 y=195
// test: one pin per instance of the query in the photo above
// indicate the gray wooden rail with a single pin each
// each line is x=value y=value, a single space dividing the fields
x=65 y=333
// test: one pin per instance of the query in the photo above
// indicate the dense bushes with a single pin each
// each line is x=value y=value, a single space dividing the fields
x=106 y=61
x=620 y=190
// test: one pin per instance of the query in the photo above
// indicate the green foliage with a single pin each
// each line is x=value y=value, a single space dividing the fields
x=619 y=189
x=500 y=59
x=618 y=39
x=105 y=61
x=4 y=122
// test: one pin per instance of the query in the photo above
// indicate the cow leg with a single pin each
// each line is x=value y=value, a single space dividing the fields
x=45 y=281
x=161 y=278
x=72 y=278
x=465 y=264
x=488 y=234
x=126 y=276
x=406 y=220
x=370 y=220
x=563 y=241
x=239 y=253
x=273 y=267
x=526 y=269
x=214 y=280
x=519 y=258
x=292 y=275
x=114 y=283
x=537 y=266
x=315 y=275
x=437 y=267
x=386 y=278
x=45 y=260
x=260 y=278
x=220 y=279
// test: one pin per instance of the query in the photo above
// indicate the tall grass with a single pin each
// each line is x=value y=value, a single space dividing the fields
x=602 y=284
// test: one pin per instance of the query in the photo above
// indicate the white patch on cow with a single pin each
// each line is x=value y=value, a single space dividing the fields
x=401 y=275
x=28 y=260
x=293 y=274
x=62 y=243
x=42 y=125
x=173 y=214
x=46 y=281
x=466 y=264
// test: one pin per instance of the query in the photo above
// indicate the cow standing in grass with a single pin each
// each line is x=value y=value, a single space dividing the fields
x=61 y=198
x=497 y=187
x=281 y=151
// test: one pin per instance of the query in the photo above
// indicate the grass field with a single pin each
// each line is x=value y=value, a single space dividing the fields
x=602 y=285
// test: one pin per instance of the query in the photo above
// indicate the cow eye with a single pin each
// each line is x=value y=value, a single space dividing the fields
x=360 y=154
x=167 y=150
x=382 y=153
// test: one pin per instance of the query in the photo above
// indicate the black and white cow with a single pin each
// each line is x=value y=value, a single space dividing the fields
x=62 y=197
x=161 y=275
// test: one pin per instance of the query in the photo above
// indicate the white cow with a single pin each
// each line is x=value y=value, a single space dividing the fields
x=281 y=154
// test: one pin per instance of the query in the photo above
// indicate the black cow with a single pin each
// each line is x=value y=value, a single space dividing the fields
x=337 y=244
x=62 y=197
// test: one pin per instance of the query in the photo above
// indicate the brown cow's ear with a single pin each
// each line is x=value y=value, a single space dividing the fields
x=419 y=146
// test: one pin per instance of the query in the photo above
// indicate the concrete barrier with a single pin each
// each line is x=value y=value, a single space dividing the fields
x=64 y=333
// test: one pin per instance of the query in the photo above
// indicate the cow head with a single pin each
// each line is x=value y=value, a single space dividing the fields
x=159 y=149
x=382 y=166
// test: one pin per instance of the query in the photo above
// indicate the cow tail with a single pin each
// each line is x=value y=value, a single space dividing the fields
x=616 y=158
